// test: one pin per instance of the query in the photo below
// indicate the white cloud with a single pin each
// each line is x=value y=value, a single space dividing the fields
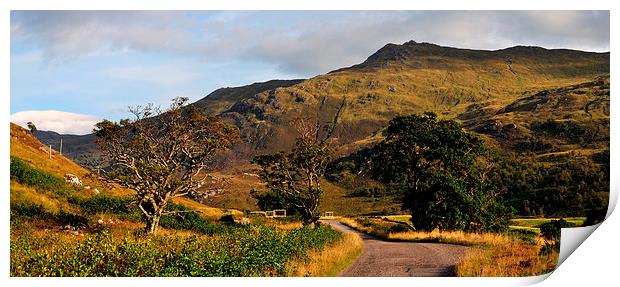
x=67 y=34
x=319 y=46
x=309 y=42
x=58 y=121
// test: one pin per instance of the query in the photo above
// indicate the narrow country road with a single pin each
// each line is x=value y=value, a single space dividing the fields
x=399 y=259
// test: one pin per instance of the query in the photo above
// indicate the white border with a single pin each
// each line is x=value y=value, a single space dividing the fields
x=593 y=262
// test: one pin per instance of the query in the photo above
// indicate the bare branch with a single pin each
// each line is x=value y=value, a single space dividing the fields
x=162 y=154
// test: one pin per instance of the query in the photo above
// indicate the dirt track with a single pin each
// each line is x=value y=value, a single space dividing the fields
x=399 y=259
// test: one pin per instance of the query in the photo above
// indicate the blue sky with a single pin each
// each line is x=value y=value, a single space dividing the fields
x=95 y=64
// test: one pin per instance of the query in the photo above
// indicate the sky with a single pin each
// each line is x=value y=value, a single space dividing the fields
x=70 y=69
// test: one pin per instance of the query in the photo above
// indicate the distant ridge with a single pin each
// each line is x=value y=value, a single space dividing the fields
x=224 y=98
x=411 y=49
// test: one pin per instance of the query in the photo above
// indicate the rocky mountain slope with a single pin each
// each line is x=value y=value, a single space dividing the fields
x=223 y=99
x=408 y=78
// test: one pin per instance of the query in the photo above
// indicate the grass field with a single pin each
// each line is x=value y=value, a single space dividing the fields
x=232 y=251
x=535 y=222
x=330 y=261
x=399 y=218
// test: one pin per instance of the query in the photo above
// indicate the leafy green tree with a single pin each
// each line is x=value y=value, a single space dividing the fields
x=574 y=187
x=443 y=171
x=271 y=200
x=552 y=230
x=162 y=154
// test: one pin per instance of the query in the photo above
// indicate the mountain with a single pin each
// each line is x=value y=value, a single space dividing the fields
x=546 y=105
x=409 y=78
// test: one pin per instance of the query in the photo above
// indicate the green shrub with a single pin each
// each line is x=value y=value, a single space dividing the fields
x=67 y=218
x=103 y=203
x=270 y=200
x=227 y=218
x=379 y=230
x=35 y=211
x=120 y=207
x=595 y=216
x=31 y=211
x=526 y=236
x=399 y=227
x=193 y=221
x=551 y=230
x=549 y=248
x=255 y=251
x=27 y=175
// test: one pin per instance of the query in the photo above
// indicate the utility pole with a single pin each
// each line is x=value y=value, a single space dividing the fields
x=50 y=151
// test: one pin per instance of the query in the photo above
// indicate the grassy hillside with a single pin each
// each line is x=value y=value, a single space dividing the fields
x=550 y=121
x=40 y=185
x=28 y=148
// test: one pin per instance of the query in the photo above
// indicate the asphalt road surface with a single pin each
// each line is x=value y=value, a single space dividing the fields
x=400 y=259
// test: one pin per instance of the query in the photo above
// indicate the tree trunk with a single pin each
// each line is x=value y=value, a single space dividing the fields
x=152 y=224
x=309 y=218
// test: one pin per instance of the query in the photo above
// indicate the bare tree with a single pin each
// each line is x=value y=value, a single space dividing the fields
x=296 y=176
x=162 y=154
